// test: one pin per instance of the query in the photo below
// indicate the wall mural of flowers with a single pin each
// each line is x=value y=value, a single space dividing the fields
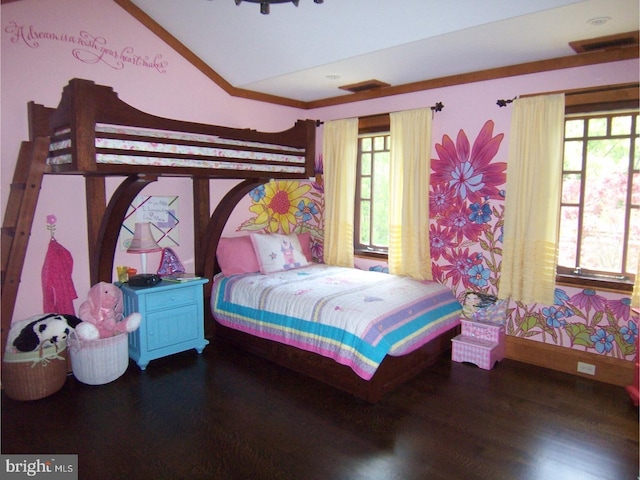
x=290 y=206
x=466 y=205
x=581 y=319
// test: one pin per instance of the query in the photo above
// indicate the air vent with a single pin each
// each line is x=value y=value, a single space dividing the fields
x=610 y=42
x=363 y=86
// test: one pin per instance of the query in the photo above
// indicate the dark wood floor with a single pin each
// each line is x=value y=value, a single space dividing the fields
x=227 y=415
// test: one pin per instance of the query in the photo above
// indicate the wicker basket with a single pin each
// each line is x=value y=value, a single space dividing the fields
x=96 y=362
x=34 y=375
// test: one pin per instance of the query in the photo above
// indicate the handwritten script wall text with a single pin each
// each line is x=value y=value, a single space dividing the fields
x=87 y=48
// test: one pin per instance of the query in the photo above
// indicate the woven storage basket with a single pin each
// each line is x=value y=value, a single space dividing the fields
x=96 y=362
x=34 y=375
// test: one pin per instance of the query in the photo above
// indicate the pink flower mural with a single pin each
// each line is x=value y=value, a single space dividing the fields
x=469 y=205
x=466 y=205
x=470 y=172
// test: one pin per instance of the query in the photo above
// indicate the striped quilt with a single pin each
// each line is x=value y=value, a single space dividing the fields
x=355 y=317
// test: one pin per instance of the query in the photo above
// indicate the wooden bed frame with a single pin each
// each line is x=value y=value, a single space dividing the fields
x=84 y=105
x=392 y=373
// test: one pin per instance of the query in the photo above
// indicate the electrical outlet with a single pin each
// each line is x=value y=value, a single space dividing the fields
x=587 y=368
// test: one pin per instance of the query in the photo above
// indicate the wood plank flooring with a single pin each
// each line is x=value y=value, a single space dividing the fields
x=228 y=415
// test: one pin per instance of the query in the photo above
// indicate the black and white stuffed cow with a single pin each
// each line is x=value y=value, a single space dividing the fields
x=41 y=331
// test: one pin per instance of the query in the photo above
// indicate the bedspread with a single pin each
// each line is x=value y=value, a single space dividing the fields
x=355 y=317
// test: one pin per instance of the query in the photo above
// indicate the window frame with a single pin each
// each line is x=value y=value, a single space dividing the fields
x=373 y=125
x=603 y=100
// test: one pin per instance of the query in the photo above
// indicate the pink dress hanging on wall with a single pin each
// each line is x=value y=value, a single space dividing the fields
x=58 y=291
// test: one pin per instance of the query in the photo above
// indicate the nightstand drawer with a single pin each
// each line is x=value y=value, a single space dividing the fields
x=171 y=298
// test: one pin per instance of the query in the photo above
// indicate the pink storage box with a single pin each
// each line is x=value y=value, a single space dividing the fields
x=483 y=331
x=483 y=353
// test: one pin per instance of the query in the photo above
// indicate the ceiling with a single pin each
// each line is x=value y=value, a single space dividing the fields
x=307 y=52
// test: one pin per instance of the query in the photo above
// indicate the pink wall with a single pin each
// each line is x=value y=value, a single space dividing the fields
x=38 y=69
x=583 y=319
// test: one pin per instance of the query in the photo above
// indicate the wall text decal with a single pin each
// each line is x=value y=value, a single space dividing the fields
x=87 y=48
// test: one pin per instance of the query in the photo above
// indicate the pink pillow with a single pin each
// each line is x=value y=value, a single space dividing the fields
x=305 y=244
x=236 y=255
x=277 y=252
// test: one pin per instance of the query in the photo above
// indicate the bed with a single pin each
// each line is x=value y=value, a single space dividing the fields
x=377 y=330
x=95 y=134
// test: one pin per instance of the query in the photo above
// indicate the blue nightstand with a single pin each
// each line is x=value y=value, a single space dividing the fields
x=172 y=319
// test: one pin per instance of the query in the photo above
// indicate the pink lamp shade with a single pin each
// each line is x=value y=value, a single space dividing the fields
x=143 y=241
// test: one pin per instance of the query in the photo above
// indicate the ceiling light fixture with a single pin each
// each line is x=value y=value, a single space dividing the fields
x=597 y=21
x=264 y=4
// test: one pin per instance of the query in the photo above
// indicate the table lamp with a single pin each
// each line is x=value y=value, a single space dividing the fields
x=143 y=243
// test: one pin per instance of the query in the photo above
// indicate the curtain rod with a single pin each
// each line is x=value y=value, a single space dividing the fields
x=435 y=108
x=579 y=91
x=504 y=103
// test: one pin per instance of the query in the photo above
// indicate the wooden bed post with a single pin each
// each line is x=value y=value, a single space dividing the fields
x=96 y=199
x=201 y=212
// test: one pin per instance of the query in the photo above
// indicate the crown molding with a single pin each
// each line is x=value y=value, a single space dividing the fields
x=560 y=63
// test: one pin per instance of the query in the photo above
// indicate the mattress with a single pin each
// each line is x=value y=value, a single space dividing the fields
x=135 y=146
x=355 y=317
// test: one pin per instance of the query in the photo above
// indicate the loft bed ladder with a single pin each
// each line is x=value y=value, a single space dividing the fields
x=18 y=220
x=20 y=212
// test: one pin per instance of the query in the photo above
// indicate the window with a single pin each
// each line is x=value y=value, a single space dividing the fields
x=372 y=194
x=600 y=206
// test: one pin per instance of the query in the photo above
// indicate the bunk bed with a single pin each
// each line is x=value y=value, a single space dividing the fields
x=95 y=134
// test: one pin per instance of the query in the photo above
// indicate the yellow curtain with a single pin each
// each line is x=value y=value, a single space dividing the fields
x=339 y=155
x=532 y=202
x=410 y=168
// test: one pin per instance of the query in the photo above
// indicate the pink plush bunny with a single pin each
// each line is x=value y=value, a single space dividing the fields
x=104 y=309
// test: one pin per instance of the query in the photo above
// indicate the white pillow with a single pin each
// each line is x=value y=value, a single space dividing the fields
x=277 y=252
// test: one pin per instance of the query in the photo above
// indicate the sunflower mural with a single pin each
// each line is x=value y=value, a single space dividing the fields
x=289 y=206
